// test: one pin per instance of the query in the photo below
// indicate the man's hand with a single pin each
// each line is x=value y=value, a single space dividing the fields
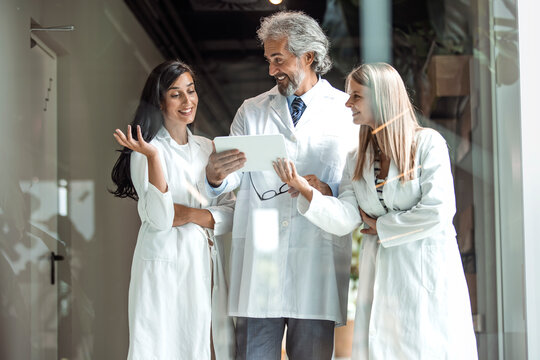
x=185 y=214
x=323 y=188
x=182 y=215
x=220 y=165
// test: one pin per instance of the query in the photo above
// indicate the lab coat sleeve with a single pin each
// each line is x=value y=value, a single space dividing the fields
x=436 y=207
x=338 y=216
x=238 y=126
x=154 y=207
x=232 y=181
x=222 y=213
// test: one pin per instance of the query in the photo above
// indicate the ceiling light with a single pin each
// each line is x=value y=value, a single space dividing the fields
x=275 y=2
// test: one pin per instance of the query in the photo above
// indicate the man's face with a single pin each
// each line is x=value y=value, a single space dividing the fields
x=288 y=70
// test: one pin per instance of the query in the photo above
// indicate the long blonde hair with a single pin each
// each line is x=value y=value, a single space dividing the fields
x=395 y=120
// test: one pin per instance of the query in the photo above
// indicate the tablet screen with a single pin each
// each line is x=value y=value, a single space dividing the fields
x=260 y=150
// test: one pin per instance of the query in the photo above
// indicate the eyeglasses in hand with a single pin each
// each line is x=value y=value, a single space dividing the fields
x=269 y=194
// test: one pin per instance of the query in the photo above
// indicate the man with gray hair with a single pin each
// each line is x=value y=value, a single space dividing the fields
x=285 y=271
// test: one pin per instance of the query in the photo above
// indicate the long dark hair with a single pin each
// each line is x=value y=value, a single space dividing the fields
x=149 y=117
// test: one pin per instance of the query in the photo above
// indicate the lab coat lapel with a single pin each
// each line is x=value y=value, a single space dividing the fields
x=390 y=186
x=369 y=177
x=198 y=156
x=280 y=111
x=315 y=107
x=195 y=145
x=368 y=173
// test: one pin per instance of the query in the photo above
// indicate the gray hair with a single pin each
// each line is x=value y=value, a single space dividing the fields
x=303 y=35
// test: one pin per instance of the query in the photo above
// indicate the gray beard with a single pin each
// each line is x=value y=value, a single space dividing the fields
x=293 y=84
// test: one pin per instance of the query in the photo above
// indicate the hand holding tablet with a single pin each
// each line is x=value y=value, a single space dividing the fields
x=260 y=150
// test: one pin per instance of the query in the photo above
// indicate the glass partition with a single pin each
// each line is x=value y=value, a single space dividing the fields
x=73 y=72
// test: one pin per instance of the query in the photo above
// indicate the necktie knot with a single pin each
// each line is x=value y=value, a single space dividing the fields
x=297 y=109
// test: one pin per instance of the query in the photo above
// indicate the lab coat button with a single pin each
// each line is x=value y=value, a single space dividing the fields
x=285 y=223
x=293 y=138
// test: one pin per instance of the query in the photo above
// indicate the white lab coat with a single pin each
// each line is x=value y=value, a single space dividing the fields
x=281 y=264
x=170 y=305
x=413 y=300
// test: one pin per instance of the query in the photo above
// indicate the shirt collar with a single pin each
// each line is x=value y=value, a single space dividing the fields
x=307 y=96
x=163 y=134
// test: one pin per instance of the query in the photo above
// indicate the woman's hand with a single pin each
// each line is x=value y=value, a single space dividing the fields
x=372 y=223
x=155 y=172
x=138 y=145
x=286 y=171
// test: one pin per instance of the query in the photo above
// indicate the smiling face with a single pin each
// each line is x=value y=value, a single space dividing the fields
x=180 y=101
x=288 y=70
x=360 y=104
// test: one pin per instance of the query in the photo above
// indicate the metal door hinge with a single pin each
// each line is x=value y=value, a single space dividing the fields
x=478 y=323
x=54 y=258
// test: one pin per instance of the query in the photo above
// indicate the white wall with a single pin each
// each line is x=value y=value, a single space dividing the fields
x=102 y=66
x=15 y=318
x=530 y=147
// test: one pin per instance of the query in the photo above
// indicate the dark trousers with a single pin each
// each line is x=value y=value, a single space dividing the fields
x=261 y=338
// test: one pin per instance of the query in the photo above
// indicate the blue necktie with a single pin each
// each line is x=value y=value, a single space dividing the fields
x=297 y=109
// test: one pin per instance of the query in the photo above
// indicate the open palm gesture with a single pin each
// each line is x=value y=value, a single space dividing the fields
x=286 y=171
x=138 y=145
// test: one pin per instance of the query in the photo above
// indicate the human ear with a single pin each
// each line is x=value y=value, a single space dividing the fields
x=309 y=56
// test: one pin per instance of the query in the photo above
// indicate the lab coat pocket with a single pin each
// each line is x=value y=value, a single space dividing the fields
x=241 y=214
x=331 y=165
x=330 y=153
x=324 y=239
x=430 y=267
x=158 y=246
x=334 y=240
x=407 y=194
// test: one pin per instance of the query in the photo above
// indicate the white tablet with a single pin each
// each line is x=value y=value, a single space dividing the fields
x=260 y=150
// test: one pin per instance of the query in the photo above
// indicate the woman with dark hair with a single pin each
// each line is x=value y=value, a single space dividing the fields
x=177 y=293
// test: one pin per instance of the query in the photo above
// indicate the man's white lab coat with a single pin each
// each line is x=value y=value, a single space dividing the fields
x=281 y=264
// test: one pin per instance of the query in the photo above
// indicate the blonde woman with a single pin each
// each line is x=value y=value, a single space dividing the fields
x=412 y=299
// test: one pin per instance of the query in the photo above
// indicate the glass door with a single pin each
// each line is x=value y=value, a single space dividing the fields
x=39 y=186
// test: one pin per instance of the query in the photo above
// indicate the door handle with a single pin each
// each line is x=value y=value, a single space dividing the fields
x=54 y=258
